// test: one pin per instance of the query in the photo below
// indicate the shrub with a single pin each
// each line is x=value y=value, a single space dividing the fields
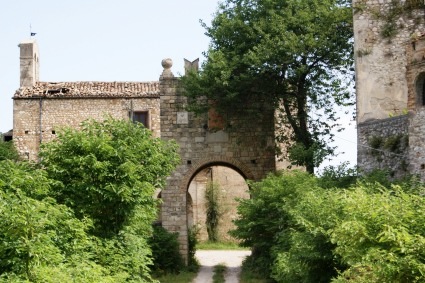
x=300 y=232
x=165 y=251
x=265 y=219
x=213 y=210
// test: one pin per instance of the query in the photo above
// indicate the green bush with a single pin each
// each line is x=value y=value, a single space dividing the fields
x=265 y=220
x=107 y=172
x=8 y=151
x=300 y=232
x=40 y=240
x=212 y=203
x=86 y=215
x=381 y=235
x=165 y=251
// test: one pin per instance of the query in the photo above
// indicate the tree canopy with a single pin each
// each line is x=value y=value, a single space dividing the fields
x=85 y=213
x=109 y=171
x=292 y=54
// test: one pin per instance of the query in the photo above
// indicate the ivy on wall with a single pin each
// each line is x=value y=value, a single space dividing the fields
x=392 y=144
x=389 y=16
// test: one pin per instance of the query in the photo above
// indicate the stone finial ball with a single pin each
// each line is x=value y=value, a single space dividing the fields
x=167 y=63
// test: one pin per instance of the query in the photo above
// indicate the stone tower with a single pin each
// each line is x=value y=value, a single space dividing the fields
x=29 y=63
x=390 y=70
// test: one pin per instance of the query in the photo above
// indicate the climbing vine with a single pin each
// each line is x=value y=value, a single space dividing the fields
x=213 y=208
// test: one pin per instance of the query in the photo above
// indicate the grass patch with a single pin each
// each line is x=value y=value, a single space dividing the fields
x=219 y=246
x=219 y=271
x=182 y=277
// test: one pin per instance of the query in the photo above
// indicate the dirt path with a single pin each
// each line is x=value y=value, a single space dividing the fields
x=208 y=259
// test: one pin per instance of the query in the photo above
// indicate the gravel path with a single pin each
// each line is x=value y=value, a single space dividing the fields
x=208 y=259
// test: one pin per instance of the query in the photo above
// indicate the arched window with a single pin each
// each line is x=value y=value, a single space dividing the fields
x=420 y=89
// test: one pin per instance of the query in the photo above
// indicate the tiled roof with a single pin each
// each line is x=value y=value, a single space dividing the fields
x=89 y=89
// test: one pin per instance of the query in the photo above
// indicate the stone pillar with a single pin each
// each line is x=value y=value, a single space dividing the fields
x=29 y=63
x=174 y=216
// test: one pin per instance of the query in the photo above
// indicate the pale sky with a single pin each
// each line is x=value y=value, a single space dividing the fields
x=109 y=40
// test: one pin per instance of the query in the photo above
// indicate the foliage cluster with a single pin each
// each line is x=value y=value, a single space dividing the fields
x=213 y=210
x=85 y=213
x=303 y=232
x=284 y=55
x=192 y=235
x=8 y=151
x=165 y=252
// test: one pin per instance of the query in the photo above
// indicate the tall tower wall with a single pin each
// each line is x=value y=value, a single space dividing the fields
x=383 y=34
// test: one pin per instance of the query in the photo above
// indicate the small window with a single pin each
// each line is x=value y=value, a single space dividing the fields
x=141 y=117
x=420 y=90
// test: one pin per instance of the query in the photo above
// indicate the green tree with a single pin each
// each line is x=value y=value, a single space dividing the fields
x=8 y=151
x=40 y=240
x=292 y=54
x=108 y=171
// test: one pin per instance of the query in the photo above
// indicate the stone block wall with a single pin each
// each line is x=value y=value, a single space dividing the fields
x=416 y=143
x=380 y=60
x=231 y=186
x=248 y=148
x=38 y=120
x=383 y=144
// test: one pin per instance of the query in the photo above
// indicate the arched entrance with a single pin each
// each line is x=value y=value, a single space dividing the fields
x=247 y=148
x=220 y=186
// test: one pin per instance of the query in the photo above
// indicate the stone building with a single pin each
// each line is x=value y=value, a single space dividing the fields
x=389 y=46
x=248 y=149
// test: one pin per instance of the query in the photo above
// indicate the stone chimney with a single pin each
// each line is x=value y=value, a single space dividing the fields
x=29 y=63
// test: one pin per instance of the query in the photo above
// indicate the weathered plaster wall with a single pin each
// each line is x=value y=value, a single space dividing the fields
x=56 y=113
x=381 y=84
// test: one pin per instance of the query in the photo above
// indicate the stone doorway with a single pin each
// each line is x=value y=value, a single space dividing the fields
x=229 y=186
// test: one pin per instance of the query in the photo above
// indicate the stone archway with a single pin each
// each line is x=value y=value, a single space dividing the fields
x=248 y=148
x=229 y=185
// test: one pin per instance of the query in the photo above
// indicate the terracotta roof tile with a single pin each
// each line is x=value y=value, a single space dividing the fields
x=89 y=89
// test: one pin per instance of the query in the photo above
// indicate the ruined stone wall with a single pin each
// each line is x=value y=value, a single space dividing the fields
x=383 y=144
x=417 y=143
x=38 y=120
x=380 y=37
x=389 y=51
x=249 y=149
x=231 y=186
